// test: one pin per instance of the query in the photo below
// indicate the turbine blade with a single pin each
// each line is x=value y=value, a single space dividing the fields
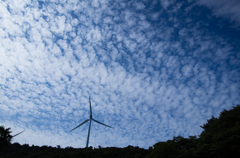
x=90 y=106
x=102 y=123
x=18 y=133
x=80 y=125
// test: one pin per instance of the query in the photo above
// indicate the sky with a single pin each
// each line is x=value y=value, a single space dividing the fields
x=154 y=69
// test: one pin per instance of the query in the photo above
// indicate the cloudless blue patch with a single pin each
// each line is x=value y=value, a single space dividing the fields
x=44 y=17
x=236 y=65
x=69 y=77
x=153 y=7
x=215 y=25
x=73 y=14
x=123 y=61
x=23 y=13
x=68 y=40
x=76 y=57
x=56 y=37
x=27 y=36
x=48 y=85
x=8 y=8
x=45 y=43
x=40 y=4
x=223 y=27
x=11 y=37
x=62 y=51
x=138 y=68
x=27 y=6
x=18 y=69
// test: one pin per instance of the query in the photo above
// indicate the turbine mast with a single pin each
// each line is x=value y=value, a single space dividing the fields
x=90 y=118
x=88 y=132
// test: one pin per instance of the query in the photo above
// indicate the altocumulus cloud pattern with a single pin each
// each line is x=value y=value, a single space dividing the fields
x=153 y=69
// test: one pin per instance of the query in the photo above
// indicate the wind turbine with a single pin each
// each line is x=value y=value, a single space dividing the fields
x=90 y=119
x=18 y=133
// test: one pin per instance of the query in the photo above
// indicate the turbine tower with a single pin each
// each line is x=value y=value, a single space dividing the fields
x=90 y=119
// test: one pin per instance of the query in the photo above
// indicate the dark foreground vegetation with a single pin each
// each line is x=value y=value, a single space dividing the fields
x=220 y=139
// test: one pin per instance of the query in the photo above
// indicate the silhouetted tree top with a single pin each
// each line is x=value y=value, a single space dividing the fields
x=5 y=137
x=221 y=136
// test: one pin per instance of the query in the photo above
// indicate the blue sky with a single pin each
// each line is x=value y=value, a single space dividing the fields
x=153 y=69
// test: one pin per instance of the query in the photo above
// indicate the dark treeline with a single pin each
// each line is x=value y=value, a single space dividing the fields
x=220 y=139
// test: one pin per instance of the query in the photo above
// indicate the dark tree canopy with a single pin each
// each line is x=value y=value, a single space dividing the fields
x=220 y=139
x=5 y=137
x=221 y=136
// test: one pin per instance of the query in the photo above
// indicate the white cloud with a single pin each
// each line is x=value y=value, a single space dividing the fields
x=224 y=8
x=186 y=70
x=139 y=5
x=166 y=3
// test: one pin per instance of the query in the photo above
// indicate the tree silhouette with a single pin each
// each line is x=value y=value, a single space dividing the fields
x=5 y=137
x=221 y=136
